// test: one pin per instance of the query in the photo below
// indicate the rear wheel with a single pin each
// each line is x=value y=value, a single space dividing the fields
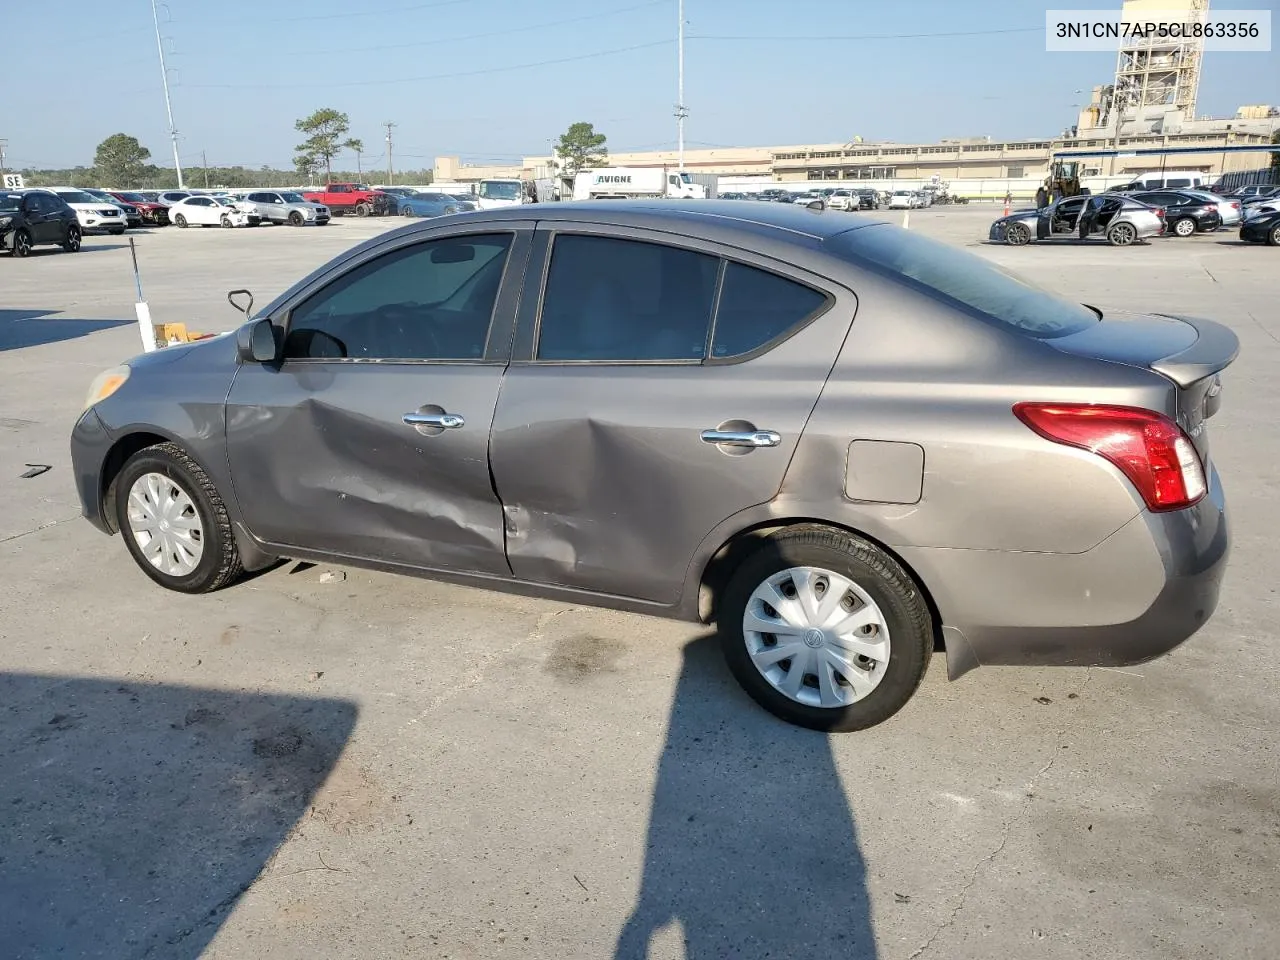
x=363 y=210
x=1184 y=227
x=1017 y=234
x=180 y=221
x=174 y=524
x=74 y=237
x=825 y=630
x=1121 y=234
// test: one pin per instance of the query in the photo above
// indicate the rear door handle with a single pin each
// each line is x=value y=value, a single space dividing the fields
x=449 y=421
x=742 y=438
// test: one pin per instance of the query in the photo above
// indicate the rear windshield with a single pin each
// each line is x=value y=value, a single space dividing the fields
x=963 y=280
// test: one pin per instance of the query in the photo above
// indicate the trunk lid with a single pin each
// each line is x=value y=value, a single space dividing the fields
x=1188 y=351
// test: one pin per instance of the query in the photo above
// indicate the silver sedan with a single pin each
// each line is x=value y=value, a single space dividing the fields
x=1116 y=219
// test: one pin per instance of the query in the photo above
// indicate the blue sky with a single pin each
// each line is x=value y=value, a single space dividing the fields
x=452 y=74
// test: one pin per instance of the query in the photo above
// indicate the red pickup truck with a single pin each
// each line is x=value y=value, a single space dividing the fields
x=357 y=198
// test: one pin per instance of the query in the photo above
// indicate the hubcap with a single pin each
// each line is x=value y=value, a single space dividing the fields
x=816 y=636
x=165 y=524
x=22 y=244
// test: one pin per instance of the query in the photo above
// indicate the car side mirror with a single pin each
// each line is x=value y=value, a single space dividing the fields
x=256 y=342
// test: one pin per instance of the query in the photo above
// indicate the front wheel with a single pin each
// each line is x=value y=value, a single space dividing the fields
x=22 y=244
x=1184 y=227
x=825 y=630
x=225 y=221
x=1121 y=235
x=180 y=222
x=174 y=524
x=406 y=212
x=1017 y=235
x=74 y=238
x=295 y=218
x=1273 y=238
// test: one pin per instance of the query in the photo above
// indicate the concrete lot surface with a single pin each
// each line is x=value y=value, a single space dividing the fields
x=327 y=763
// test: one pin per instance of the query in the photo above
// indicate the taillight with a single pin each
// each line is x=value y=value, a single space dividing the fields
x=1160 y=212
x=1150 y=449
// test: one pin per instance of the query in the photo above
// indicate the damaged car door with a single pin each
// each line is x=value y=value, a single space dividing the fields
x=369 y=436
x=657 y=387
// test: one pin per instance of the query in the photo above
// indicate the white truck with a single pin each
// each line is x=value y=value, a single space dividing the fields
x=501 y=192
x=637 y=183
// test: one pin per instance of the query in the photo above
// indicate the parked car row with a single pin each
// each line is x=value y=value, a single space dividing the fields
x=1125 y=217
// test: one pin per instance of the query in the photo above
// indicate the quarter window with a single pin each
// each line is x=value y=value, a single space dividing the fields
x=429 y=301
x=757 y=307
x=608 y=299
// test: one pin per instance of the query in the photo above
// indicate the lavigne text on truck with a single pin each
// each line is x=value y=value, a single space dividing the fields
x=625 y=183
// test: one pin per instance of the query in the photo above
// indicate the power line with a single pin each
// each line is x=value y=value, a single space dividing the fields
x=434 y=76
x=874 y=36
x=480 y=36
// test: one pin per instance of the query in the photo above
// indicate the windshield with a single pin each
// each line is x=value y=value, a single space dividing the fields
x=963 y=280
x=686 y=178
x=498 y=190
x=293 y=198
x=77 y=196
x=10 y=201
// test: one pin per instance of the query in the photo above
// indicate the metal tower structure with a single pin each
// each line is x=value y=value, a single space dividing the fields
x=1159 y=74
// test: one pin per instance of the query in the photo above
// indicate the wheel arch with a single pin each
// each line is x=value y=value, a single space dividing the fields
x=725 y=559
x=132 y=440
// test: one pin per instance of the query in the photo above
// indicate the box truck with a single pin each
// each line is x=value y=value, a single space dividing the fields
x=637 y=183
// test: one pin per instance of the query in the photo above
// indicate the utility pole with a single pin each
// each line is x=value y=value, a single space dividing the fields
x=168 y=104
x=3 y=144
x=359 y=172
x=390 y=174
x=204 y=163
x=681 y=110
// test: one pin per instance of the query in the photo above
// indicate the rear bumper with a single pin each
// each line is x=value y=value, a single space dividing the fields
x=90 y=444
x=1135 y=596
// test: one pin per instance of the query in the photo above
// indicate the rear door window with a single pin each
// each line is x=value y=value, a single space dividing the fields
x=962 y=280
x=609 y=299
x=757 y=308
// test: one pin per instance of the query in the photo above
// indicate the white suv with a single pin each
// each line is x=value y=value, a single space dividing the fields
x=283 y=207
x=93 y=214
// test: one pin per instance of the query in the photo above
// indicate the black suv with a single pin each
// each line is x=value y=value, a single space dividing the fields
x=29 y=218
x=1184 y=213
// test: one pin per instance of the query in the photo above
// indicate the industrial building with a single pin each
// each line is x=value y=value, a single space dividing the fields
x=1150 y=104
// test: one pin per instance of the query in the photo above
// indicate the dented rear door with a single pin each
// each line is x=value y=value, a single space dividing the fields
x=607 y=470
x=382 y=458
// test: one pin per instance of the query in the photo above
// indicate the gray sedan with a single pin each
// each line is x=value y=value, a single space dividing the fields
x=838 y=440
x=1117 y=219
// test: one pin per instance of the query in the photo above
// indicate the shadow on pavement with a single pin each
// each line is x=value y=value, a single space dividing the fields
x=30 y=328
x=752 y=849
x=133 y=815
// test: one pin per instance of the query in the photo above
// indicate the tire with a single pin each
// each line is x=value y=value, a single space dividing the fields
x=406 y=212
x=180 y=221
x=1184 y=227
x=363 y=210
x=1273 y=238
x=884 y=592
x=1017 y=235
x=219 y=560
x=1121 y=234
x=225 y=221
x=74 y=239
x=22 y=243
x=295 y=219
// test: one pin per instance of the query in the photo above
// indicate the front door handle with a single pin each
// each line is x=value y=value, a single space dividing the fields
x=449 y=421
x=742 y=438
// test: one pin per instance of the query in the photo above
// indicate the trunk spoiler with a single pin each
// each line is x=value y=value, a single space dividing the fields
x=1215 y=348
